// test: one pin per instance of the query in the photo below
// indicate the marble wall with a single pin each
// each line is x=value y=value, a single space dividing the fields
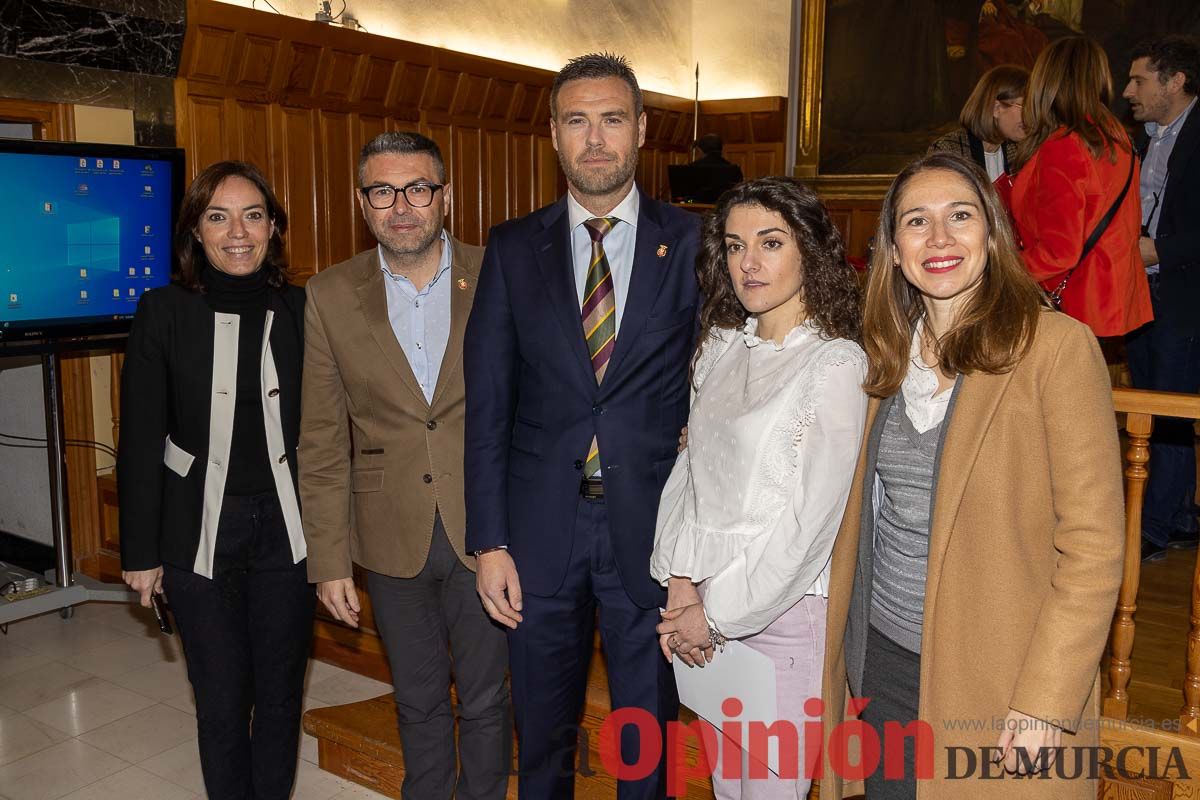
x=113 y=53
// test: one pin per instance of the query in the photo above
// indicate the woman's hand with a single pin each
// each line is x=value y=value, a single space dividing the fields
x=682 y=439
x=685 y=631
x=144 y=581
x=681 y=592
x=1022 y=731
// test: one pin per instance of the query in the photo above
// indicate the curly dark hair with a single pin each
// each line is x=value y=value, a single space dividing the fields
x=196 y=199
x=829 y=288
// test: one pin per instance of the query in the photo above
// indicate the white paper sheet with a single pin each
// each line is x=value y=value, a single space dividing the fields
x=741 y=672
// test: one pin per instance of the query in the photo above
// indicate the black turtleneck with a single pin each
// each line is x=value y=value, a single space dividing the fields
x=249 y=470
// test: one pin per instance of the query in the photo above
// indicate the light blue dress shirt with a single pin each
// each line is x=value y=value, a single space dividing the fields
x=1154 y=171
x=618 y=246
x=421 y=319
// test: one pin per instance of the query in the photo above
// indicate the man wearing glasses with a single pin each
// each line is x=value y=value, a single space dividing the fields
x=381 y=468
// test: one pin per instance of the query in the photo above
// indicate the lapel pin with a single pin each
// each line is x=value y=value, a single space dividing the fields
x=462 y=283
x=662 y=250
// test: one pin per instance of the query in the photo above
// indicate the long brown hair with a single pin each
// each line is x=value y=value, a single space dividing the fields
x=1003 y=82
x=999 y=319
x=195 y=201
x=1070 y=89
x=828 y=286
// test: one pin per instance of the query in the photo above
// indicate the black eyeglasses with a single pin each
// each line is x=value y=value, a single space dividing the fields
x=417 y=195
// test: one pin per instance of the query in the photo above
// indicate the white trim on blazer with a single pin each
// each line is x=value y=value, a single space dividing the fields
x=220 y=441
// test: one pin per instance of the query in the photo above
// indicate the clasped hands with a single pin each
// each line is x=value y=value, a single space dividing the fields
x=684 y=629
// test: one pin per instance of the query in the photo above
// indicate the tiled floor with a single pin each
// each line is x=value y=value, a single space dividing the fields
x=98 y=707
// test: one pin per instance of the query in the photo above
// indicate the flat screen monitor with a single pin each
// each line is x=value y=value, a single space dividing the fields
x=85 y=230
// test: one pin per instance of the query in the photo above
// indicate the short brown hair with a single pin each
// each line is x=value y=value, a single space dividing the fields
x=1005 y=82
x=829 y=287
x=997 y=324
x=195 y=201
x=1070 y=88
x=596 y=66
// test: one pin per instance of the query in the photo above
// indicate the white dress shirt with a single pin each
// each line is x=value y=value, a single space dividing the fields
x=618 y=246
x=753 y=504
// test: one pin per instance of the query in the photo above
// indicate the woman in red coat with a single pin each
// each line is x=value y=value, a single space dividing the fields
x=1076 y=160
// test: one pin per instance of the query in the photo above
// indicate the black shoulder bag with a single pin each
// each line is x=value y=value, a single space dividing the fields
x=1101 y=226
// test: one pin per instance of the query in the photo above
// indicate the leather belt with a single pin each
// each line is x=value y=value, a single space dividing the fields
x=591 y=489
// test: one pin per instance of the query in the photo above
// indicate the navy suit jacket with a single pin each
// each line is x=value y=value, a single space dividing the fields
x=1178 y=235
x=533 y=404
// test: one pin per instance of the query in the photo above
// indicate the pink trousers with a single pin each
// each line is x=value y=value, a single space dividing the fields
x=796 y=643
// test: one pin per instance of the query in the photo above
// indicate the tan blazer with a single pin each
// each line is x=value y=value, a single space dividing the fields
x=375 y=458
x=1025 y=554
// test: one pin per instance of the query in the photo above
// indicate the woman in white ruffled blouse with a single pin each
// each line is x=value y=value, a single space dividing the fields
x=748 y=516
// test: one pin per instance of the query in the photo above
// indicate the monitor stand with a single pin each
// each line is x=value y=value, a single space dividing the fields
x=66 y=589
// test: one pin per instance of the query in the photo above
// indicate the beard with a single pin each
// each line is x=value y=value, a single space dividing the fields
x=599 y=180
x=411 y=243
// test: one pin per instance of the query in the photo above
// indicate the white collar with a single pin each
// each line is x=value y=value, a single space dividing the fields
x=626 y=210
x=751 y=338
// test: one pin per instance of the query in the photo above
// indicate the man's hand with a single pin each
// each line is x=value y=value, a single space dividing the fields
x=681 y=592
x=144 y=581
x=1031 y=734
x=499 y=587
x=341 y=598
x=682 y=439
x=1148 y=251
x=685 y=631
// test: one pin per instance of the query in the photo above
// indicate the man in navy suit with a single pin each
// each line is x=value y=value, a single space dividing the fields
x=576 y=361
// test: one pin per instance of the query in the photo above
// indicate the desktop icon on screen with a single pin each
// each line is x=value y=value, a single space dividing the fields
x=82 y=189
x=83 y=272
x=147 y=189
x=48 y=207
x=132 y=292
x=146 y=249
x=116 y=163
x=133 y=272
x=12 y=298
x=83 y=163
x=146 y=272
x=99 y=163
x=146 y=230
x=83 y=294
x=116 y=293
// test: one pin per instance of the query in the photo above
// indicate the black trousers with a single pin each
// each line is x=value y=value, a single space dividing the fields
x=892 y=682
x=246 y=636
x=434 y=627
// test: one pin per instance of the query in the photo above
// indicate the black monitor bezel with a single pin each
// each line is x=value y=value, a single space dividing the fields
x=79 y=330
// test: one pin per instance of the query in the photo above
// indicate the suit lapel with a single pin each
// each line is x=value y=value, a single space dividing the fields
x=970 y=415
x=646 y=278
x=372 y=296
x=462 y=293
x=552 y=251
x=1185 y=146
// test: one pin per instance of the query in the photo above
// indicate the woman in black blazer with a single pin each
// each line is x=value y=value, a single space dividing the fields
x=210 y=408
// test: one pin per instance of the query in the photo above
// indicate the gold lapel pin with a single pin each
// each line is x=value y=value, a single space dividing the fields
x=662 y=250
x=462 y=283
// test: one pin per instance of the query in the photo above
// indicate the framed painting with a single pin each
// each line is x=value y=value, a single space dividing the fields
x=881 y=79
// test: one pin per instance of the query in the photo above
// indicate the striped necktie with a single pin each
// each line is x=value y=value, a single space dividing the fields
x=599 y=316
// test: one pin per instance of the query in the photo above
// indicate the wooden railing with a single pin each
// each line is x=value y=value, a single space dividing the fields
x=1140 y=407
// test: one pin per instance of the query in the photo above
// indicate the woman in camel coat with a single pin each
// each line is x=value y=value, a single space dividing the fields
x=1023 y=533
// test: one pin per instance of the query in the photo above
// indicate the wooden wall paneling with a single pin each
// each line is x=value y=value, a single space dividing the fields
x=83 y=501
x=298 y=188
x=550 y=182
x=256 y=56
x=363 y=128
x=208 y=52
x=207 y=141
x=337 y=170
x=50 y=121
x=252 y=130
x=497 y=160
x=468 y=166
x=522 y=177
